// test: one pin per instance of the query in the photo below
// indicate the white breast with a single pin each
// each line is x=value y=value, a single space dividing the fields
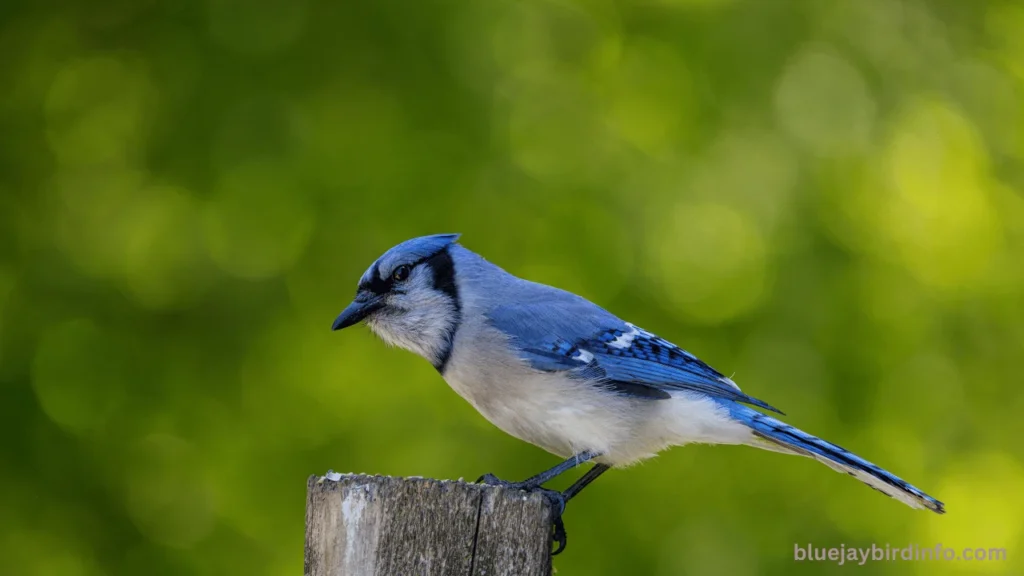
x=562 y=416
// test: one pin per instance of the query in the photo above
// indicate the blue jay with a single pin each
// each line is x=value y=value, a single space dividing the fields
x=553 y=369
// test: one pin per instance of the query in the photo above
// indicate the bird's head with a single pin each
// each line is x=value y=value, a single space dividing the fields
x=409 y=298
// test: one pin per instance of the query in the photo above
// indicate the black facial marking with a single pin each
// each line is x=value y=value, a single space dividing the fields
x=443 y=268
x=377 y=285
x=381 y=286
x=444 y=275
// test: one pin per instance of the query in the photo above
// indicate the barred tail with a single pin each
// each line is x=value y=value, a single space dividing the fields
x=772 y=434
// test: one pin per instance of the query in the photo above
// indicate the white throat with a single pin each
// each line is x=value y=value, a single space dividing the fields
x=423 y=325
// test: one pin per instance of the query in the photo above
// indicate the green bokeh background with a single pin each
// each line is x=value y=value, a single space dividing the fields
x=823 y=199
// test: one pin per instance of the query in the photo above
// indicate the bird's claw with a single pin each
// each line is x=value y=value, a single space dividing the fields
x=558 y=535
x=554 y=497
x=557 y=501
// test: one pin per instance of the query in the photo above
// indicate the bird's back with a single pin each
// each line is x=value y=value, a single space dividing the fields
x=489 y=291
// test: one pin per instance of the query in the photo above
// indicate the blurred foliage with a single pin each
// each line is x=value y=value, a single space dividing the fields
x=823 y=199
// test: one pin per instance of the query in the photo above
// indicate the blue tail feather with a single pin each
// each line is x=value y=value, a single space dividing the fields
x=779 y=435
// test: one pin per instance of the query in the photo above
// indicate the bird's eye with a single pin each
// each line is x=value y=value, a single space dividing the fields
x=400 y=273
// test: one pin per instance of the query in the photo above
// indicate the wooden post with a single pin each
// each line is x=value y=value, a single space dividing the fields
x=360 y=525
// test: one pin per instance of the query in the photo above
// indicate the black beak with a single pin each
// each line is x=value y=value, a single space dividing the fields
x=358 y=310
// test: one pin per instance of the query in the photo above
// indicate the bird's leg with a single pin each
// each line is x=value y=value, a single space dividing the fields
x=535 y=481
x=557 y=499
x=584 y=480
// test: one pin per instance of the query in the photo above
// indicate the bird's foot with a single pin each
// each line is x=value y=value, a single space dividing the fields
x=554 y=497
x=557 y=500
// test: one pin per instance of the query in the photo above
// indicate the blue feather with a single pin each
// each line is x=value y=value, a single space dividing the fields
x=795 y=440
x=589 y=342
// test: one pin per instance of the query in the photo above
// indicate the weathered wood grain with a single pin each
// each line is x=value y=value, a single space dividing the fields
x=383 y=526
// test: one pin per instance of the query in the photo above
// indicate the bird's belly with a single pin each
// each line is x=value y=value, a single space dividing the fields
x=567 y=416
x=561 y=415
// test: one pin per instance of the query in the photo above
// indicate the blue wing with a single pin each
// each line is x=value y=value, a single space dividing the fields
x=586 y=341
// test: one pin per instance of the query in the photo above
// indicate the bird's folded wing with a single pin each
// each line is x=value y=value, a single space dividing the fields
x=599 y=347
